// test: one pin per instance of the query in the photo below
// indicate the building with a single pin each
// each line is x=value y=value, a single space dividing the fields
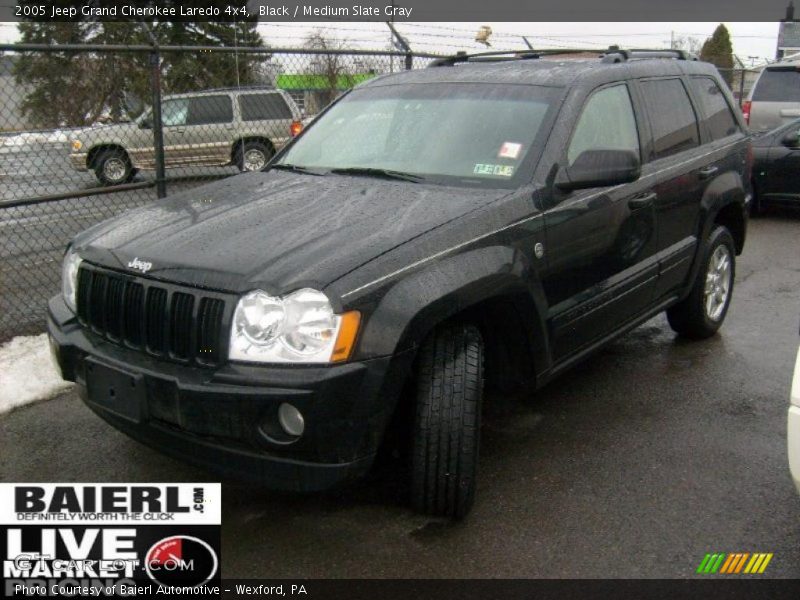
x=788 y=35
x=312 y=92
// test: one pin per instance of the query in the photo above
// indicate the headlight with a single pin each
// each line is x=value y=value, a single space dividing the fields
x=298 y=328
x=76 y=145
x=69 y=279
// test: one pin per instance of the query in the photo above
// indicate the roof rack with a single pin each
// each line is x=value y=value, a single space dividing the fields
x=613 y=54
x=243 y=88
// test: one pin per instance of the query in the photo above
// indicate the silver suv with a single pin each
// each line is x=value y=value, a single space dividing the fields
x=242 y=126
x=775 y=98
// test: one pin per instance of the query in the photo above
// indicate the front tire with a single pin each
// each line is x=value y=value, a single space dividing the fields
x=113 y=167
x=703 y=311
x=447 y=422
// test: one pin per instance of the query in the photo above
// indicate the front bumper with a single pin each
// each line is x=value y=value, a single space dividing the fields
x=793 y=435
x=225 y=418
x=794 y=444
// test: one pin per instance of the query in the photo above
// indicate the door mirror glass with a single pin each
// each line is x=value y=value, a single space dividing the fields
x=599 y=168
x=791 y=139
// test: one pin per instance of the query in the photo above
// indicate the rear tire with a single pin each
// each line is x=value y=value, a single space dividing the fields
x=447 y=422
x=703 y=311
x=113 y=167
x=253 y=156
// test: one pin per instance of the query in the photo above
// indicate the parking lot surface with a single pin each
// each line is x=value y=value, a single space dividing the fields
x=636 y=463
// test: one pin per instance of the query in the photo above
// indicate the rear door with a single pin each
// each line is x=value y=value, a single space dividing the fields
x=775 y=99
x=678 y=172
x=782 y=180
x=601 y=269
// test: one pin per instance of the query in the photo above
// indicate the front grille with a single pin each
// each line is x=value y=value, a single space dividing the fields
x=163 y=320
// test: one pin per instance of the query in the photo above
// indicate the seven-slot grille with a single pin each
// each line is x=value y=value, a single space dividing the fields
x=180 y=324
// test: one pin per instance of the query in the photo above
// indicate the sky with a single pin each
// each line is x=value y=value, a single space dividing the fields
x=752 y=42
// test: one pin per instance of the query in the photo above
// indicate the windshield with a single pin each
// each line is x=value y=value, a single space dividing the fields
x=450 y=133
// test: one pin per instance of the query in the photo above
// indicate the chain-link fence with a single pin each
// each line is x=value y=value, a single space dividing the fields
x=87 y=132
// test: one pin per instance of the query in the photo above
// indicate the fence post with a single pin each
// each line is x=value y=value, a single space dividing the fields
x=158 y=132
x=741 y=87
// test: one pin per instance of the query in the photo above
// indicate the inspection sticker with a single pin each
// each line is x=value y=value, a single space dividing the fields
x=509 y=150
x=499 y=170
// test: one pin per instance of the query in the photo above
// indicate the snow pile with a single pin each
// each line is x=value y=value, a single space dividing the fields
x=27 y=372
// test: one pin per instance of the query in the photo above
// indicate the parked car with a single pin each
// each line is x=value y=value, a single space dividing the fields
x=239 y=126
x=776 y=172
x=794 y=425
x=775 y=97
x=491 y=218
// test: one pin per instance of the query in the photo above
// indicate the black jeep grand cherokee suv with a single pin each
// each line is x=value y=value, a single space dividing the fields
x=491 y=216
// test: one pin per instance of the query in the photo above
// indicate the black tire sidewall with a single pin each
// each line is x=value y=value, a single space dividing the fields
x=243 y=149
x=447 y=424
x=720 y=236
x=108 y=155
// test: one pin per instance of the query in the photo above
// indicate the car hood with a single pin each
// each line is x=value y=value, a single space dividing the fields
x=90 y=134
x=277 y=230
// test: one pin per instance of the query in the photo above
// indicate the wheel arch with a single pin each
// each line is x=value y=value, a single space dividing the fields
x=95 y=152
x=491 y=287
x=239 y=142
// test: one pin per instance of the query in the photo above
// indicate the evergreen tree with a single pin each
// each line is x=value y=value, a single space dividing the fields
x=76 y=88
x=718 y=50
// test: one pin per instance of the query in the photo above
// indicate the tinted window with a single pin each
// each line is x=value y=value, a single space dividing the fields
x=209 y=109
x=778 y=85
x=672 y=117
x=607 y=123
x=261 y=107
x=719 y=118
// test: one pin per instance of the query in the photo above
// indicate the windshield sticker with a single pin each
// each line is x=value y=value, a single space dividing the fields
x=509 y=150
x=499 y=170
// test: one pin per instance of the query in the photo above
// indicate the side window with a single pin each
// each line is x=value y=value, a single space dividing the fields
x=206 y=110
x=173 y=112
x=606 y=123
x=781 y=84
x=719 y=118
x=672 y=117
x=263 y=107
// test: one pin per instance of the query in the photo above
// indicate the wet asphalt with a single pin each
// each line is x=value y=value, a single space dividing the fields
x=636 y=463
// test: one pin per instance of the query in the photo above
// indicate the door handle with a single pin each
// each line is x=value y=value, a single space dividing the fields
x=642 y=201
x=178 y=130
x=707 y=172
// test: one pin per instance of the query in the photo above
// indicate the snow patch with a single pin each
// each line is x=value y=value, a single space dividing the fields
x=27 y=372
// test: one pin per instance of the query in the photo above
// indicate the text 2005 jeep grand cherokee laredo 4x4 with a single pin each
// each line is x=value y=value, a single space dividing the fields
x=494 y=216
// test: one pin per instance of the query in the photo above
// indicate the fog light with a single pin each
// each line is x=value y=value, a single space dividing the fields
x=291 y=420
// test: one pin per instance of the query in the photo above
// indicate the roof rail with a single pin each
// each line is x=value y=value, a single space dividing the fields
x=233 y=88
x=499 y=55
x=613 y=54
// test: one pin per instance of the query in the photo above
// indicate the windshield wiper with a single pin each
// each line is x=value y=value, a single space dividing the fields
x=296 y=169
x=373 y=172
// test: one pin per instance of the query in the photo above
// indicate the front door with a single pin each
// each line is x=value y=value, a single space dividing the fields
x=601 y=269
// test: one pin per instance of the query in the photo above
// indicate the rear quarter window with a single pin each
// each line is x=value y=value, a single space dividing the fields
x=264 y=107
x=778 y=85
x=716 y=111
x=671 y=115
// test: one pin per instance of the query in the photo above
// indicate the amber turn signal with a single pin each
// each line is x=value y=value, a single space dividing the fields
x=346 y=340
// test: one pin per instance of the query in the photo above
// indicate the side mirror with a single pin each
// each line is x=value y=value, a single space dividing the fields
x=599 y=168
x=791 y=139
x=146 y=124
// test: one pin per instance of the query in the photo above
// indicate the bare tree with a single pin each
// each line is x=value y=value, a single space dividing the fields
x=335 y=70
x=688 y=43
